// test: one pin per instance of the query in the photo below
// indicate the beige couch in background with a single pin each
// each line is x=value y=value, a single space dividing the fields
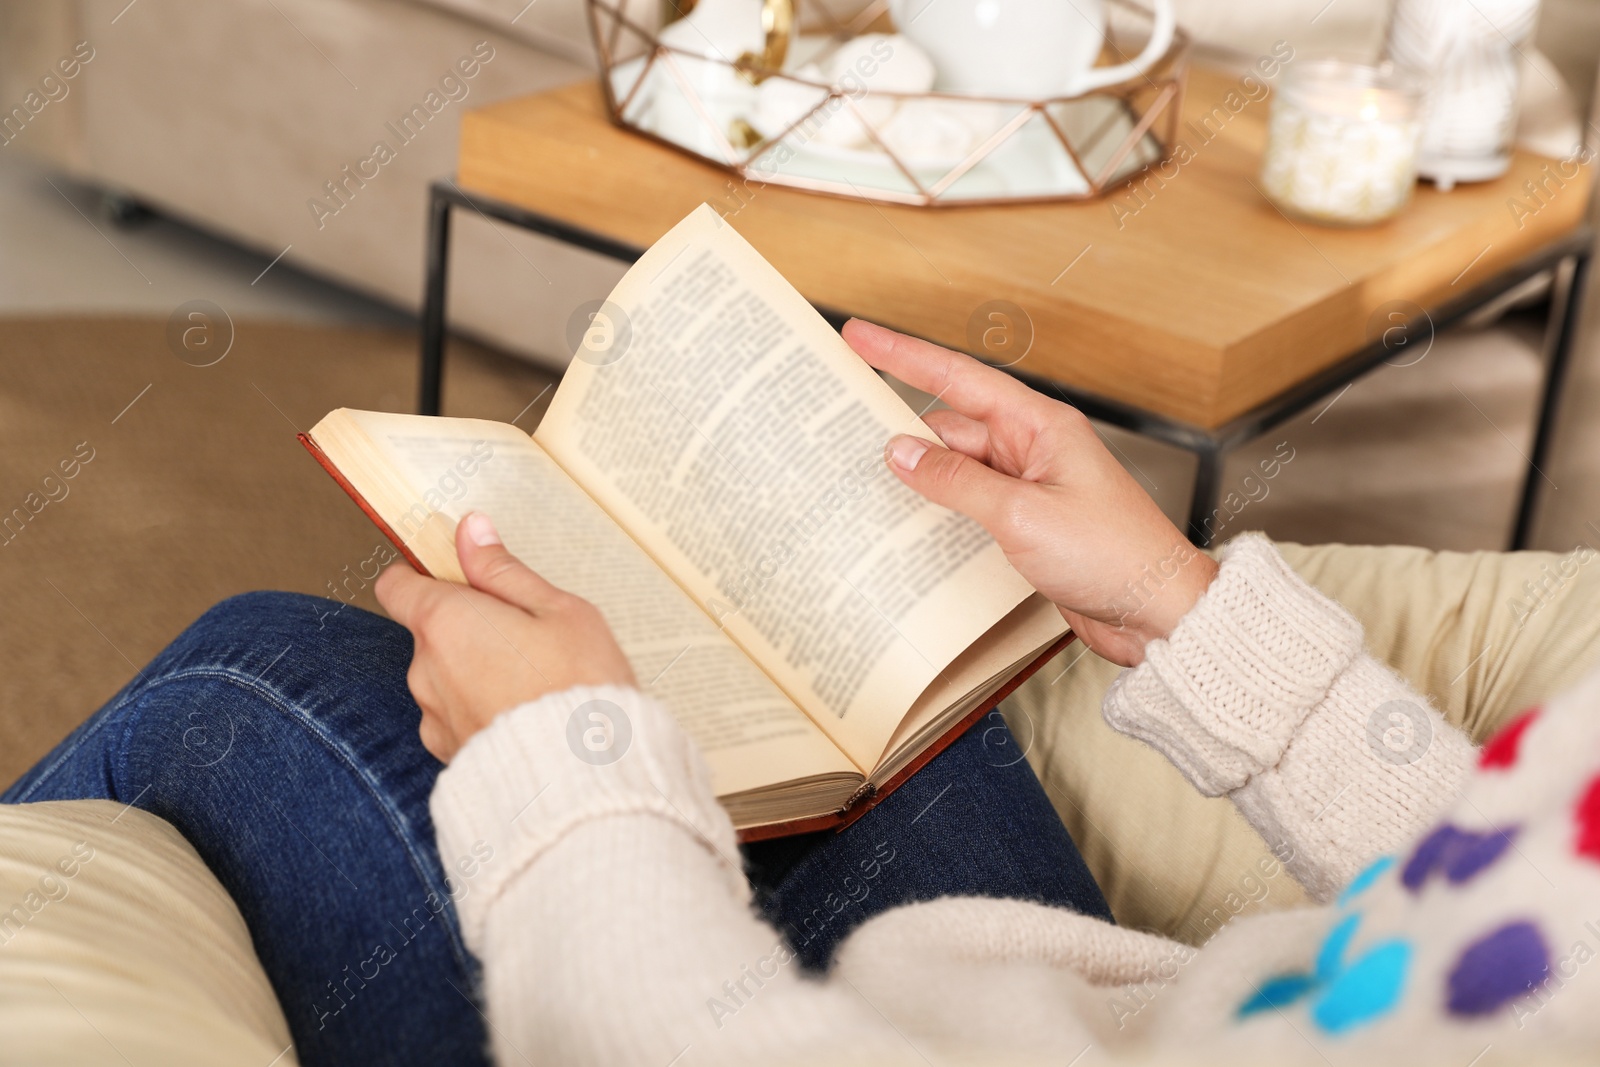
x=234 y=115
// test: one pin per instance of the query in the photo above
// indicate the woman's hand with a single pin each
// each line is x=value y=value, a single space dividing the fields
x=1035 y=474
x=511 y=638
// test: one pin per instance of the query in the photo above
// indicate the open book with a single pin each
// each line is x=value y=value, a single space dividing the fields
x=710 y=473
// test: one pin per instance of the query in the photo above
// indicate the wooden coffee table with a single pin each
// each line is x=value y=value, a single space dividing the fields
x=1184 y=307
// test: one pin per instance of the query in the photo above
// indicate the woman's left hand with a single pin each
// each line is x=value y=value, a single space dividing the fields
x=510 y=638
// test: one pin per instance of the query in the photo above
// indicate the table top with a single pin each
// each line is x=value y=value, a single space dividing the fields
x=1184 y=294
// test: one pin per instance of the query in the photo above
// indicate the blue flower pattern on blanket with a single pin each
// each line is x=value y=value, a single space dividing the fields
x=1344 y=993
x=1493 y=970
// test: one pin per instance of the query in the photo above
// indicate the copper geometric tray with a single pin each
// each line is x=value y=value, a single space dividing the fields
x=1017 y=150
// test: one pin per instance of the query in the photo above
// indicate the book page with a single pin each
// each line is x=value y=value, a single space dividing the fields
x=717 y=417
x=751 y=733
x=972 y=678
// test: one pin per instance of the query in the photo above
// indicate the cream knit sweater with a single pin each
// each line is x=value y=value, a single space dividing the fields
x=1459 y=906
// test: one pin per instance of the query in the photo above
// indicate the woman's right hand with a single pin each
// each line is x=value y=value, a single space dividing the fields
x=1036 y=475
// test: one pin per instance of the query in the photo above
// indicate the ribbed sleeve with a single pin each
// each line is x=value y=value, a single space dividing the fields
x=1265 y=693
x=538 y=772
x=1224 y=694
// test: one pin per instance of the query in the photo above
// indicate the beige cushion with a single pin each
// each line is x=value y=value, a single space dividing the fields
x=117 y=945
x=1456 y=625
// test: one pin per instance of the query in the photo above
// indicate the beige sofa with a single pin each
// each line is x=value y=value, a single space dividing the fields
x=118 y=945
x=235 y=116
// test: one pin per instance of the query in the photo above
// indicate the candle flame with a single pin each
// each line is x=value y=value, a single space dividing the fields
x=1369 y=105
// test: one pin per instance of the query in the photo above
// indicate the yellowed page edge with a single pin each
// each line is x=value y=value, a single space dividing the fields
x=1033 y=625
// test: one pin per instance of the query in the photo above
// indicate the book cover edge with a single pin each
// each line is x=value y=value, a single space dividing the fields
x=839 y=820
x=384 y=528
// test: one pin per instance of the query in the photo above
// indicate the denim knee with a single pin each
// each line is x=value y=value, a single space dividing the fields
x=249 y=659
x=271 y=612
x=330 y=640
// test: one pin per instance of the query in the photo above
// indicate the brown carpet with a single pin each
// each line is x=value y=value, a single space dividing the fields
x=197 y=491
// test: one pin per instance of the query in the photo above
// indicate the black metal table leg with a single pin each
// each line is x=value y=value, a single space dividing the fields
x=1568 y=301
x=430 y=386
x=1207 y=488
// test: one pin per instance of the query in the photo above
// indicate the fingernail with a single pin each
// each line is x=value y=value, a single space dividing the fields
x=480 y=530
x=905 y=452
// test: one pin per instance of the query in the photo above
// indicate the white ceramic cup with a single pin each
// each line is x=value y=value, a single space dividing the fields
x=1023 y=48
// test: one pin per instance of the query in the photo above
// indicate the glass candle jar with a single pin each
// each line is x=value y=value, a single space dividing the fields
x=1342 y=141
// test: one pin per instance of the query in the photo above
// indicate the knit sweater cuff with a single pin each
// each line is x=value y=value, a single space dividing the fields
x=542 y=771
x=1224 y=694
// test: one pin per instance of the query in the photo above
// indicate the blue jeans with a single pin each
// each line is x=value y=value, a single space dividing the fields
x=278 y=736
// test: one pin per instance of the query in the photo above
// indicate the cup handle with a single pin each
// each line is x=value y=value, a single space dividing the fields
x=1161 y=31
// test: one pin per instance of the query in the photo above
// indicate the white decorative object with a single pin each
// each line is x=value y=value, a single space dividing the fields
x=1342 y=142
x=782 y=102
x=1023 y=48
x=704 y=43
x=887 y=62
x=934 y=129
x=716 y=29
x=864 y=69
x=1469 y=51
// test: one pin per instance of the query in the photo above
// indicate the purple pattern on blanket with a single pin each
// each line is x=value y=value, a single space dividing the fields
x=1497 y=969
x=1459 y=854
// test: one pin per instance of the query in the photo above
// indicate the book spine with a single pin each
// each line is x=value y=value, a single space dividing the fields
x=322 y=459
x=863 y=795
